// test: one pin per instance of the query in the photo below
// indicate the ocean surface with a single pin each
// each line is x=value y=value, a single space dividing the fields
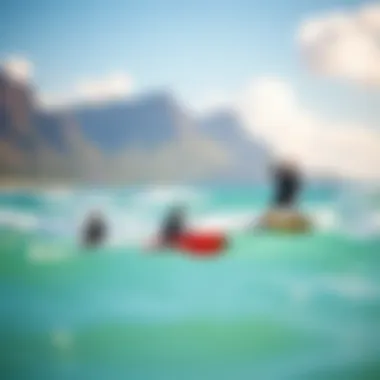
x=271 y=307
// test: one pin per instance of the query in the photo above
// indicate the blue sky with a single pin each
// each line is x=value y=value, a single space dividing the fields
x=195 y=47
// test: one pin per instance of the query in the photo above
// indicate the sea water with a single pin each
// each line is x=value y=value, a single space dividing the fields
x=272 y=307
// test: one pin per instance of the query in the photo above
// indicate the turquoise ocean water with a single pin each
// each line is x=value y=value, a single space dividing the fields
x=272 y=307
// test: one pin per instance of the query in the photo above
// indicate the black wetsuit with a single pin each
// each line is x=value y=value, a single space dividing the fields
x=172 y=228
x=287 y=186
x=94 y=232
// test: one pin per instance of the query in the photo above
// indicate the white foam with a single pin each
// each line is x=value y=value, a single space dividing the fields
x=347 y=286
x=130 y=231
x=18 y=220
x=135 y=218
x=358 y=212
x=226 y=221
x=376 y=220
x=47 y=253
x=163 y=196
x=324 y=218
x=350 y=286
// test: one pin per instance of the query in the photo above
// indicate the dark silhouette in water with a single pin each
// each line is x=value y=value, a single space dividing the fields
x=282 y=215
x=173 y=226
x=95 y=231
x=287 y=184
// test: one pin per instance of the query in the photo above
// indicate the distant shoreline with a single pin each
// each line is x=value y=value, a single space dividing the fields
x=19 y=183
x=51 y=184
x=16 y=184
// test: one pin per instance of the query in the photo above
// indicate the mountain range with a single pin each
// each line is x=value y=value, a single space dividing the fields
x=144 y=139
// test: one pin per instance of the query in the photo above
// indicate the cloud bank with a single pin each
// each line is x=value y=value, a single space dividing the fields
x=272 y=110
x=113 y=86
x=344 y=45
x=17 y=68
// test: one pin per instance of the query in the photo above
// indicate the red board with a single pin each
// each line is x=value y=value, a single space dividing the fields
x=196 y=244
x=202 y=244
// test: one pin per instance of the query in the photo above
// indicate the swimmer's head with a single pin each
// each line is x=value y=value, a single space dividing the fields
x=289 y=163
x=95 y=215
x=178 y=209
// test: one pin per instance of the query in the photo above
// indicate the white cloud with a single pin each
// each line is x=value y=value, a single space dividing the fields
x=18 y=68
x=370 y=17
x=113 y=86
x=264 y=95
x=272 y=111
x=344 y=45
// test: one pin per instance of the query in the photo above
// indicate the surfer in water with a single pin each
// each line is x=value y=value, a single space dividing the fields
x=173 y=226
x=95 y=230
x=287 y=184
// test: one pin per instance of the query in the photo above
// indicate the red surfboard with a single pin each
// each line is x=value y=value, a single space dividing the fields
x=200 y=243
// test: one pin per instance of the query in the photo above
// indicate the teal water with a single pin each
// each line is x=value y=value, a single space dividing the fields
x=272 y=307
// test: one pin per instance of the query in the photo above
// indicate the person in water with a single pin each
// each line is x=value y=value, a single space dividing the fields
x=95 y=230
x=287 y=185
x=173 y=226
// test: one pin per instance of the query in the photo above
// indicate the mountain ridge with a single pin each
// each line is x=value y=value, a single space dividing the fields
x=146 y=138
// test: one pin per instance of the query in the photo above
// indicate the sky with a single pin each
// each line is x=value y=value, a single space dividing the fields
x=208 y=53
x=195 y=47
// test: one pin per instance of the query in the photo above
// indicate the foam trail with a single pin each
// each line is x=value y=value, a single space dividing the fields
x=358 y=215
x=343 y=285
x=130 y=231
x=164 y=196
x=376 y=220
x=227 y=221
x=324 y=219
